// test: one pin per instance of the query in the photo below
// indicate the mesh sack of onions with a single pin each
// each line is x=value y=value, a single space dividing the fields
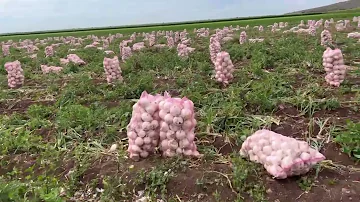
x=50 y=69
x=49 y=51
x=355 y=35
x=242 y=38
x=138 y=46
x=6 y=49
x=143 y=129
x=327 y=24
x=347 y=23
x=326 y=38
x=183 y=51
x=170 y=41
x=152 y=40
x=214 y=48
x=125 y=53
x=176 y=37
x=108 y=52
x=15 y=74
x=106 y=44
x=312 y=30
x=223 y=68
x=112 y=70
x=280 y=155
x=177 y=127
x=261 y=28
x=64 y=61
x=75 y=59
x=333 y=63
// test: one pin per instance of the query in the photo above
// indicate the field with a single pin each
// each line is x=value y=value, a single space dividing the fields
x=57 y=129
x=189 y=26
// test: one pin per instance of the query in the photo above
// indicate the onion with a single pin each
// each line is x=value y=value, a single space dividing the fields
x=180 y=134
x=178 y=121
x=154 y=124
x=147 y=147
x=139 y=141
x=179 y=151
x=169 y=118
x=174 y=127
x=164 y=145
x=191 y=137
x=170 y=134
x=286 y=162
x=188 y=152
x=167 y=107
x=267 y=150
x=146 y=126
x=141 y=133
x=187 y=125
x=163 y=135
x=164 y=127
x=173 y=144
x=147 y=140
x=150 y=109
x=162 y=114
x=144 y=154
x=175 y=110
x=146 y=117
x=132 y=135
x=135 y=148
x=184 y=143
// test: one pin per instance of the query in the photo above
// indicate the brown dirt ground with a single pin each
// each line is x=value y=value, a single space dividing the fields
x=330 y=185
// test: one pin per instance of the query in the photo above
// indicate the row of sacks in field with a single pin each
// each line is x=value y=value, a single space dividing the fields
x=332 y=61
x=124 y=49
x=313 y=25
x=16 y=74
x=202 y=31
x=167 y=124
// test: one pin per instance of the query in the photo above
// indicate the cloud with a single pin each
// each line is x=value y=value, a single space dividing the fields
x=32 y=15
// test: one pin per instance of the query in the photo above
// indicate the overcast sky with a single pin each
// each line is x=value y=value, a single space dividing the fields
x=33 y=15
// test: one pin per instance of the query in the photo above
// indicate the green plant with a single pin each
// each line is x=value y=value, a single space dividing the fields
x=349 y=139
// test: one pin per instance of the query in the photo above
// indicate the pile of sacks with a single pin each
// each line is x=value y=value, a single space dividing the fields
x=333 y=63
x=15 y=74
x=280 y=155
x=112 y=70
x=164 y=122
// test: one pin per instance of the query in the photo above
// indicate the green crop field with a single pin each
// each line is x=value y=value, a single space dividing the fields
x=63 y=136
